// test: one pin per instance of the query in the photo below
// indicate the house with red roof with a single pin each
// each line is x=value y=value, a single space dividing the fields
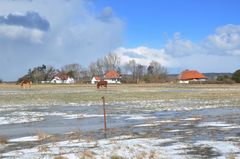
x=191 y=75
x=112 y=77
x=62 y=77
x=95 y=79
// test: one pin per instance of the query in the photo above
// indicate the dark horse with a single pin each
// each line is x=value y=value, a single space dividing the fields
x=101 y=83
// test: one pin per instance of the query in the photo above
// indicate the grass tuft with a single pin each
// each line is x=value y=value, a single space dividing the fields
x=3 y=140
x=42 y=135
x=60 y=157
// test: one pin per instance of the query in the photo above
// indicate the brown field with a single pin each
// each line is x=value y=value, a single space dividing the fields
x=11 y=94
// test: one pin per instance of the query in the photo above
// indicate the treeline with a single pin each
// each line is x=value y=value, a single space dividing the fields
x=132 y=72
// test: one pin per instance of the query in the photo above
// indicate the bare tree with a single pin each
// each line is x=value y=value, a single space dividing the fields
x=140 y=70
x=136 y=70
x=157 y=68
x=130 y=67
x=73 y=70
x=93 y=70
x=111 y=62
x=156 y=71
x=100 y=66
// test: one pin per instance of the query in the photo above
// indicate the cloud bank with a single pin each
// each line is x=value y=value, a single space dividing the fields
x=55 y=32
x=28 y=20
x=60 y=32
x=219 y=52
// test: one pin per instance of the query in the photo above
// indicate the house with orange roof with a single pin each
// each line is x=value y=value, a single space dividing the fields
x=112 y=77
x=191 y=75
x=95 y=79
x=61 y=78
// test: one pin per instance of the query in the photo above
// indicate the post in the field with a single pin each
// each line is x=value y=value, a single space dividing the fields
x=105 y=119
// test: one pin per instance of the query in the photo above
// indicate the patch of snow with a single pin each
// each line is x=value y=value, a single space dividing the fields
x=192 y=119
x=214 y=124
x=140 y=117
x=172 y=131
x=24 y=139
x=105 y=148
x=80 y=116
x=146 y=125
x=223 y=147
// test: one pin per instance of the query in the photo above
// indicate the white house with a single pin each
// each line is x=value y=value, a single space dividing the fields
x=95 y=79
x=62 y=78
x=112 y=77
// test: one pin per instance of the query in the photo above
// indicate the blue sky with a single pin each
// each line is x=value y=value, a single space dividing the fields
x=180 y=34
x=151 y=22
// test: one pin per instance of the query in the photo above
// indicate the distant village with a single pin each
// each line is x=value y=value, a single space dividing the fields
x=109 y=69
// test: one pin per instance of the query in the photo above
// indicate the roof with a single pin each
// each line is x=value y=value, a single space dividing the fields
x=62 y=76
x=97 y=78
x=191 y=74
x=112 y=74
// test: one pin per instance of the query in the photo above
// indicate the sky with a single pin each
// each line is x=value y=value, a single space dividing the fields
x=180 y=34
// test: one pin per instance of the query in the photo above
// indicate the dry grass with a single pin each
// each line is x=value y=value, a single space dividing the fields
x=3 y=140
x=231 y=156
x=42 y=135
x=63 y=94
x=87 y=154
x=60 y=157
x=117 y=157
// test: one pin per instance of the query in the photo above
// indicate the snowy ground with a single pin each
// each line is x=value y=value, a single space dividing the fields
x=168 y=127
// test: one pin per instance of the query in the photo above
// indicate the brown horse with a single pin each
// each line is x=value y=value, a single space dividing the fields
x=101 y=83
x=26 y=83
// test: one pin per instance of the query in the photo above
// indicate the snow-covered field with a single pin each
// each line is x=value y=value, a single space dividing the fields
x=143 y=122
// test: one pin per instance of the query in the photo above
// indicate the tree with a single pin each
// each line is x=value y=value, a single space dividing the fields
x=130 y=67
x=73 y=70
x=140 y=71
x=50 y=72
x=236 y=76
x=96 y=68
x=157 y=68
x=135 y=70
x=93 y=70
x=156 y=72
x=39 y=73
x=111 y=62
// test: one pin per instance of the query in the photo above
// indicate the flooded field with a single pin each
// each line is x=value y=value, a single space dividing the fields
x=143 y=121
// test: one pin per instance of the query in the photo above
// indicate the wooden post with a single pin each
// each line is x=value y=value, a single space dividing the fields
x=104 y=113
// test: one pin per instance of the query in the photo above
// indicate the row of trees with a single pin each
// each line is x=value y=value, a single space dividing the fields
x=132 y=72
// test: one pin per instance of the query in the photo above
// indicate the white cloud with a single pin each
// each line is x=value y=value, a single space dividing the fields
x=144 y=55
x=77 y=34
x=181 y=47
x=21 y=33
x=225 y=41
x=219 y=52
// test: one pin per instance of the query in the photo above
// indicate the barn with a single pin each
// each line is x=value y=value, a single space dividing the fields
x=191 y=75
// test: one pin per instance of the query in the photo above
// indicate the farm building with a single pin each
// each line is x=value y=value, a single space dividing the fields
x=95 y=79
x=191 y=75
x=62 y=78
x=112 y=77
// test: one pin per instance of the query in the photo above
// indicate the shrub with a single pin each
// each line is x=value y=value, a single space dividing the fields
x=236 y=76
